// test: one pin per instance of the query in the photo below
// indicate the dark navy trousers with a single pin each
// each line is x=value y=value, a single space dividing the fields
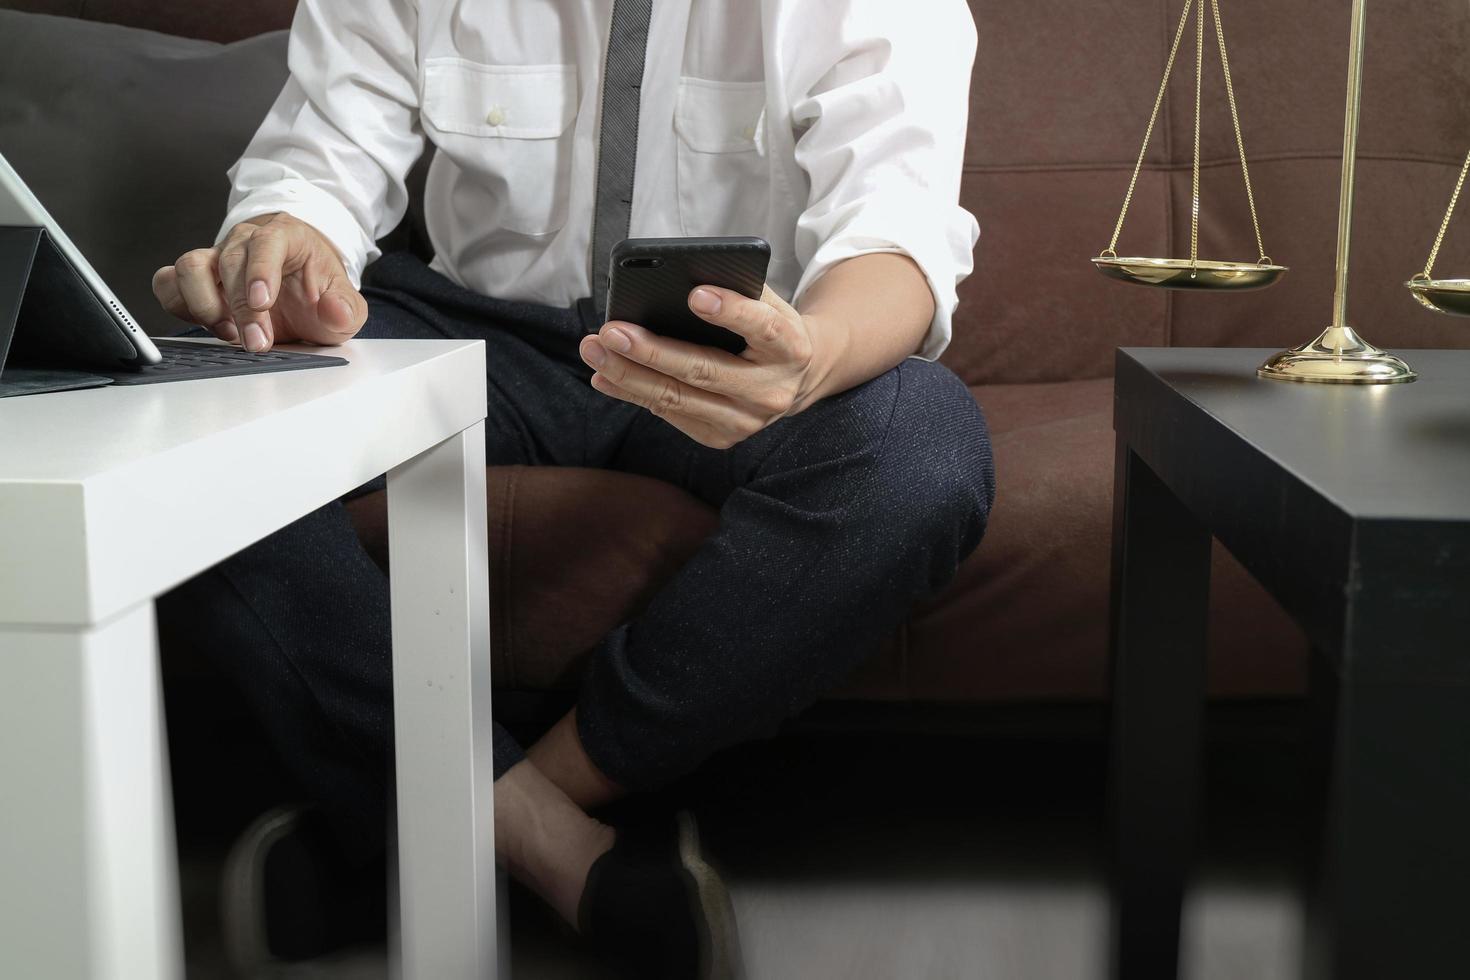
x=832 y=523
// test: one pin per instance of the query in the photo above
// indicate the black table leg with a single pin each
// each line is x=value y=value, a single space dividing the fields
x=1161 y=577
x=1392 y=893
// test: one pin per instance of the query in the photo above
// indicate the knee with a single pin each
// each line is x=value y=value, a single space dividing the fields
x=937 y=454
x=908 y=458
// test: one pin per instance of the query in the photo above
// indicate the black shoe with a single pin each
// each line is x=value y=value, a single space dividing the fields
x=288 y=894
x=656 y=905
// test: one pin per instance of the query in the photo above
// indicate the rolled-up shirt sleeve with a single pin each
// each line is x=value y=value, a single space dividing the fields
x=337 y=145
x=880 y=105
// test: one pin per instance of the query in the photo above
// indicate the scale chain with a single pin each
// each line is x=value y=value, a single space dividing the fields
x=1149 y=132
x=1199 y=82
x=1245 y=170
x=1265 y=259
x=1445 y=224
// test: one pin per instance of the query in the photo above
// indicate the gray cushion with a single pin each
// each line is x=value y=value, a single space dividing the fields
x=125 y=135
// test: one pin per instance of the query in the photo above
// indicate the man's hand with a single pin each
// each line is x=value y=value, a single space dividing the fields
x=273 y=280
x=716 y=398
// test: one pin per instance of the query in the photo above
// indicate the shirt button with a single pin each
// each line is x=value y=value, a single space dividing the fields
x=496 y=116
x=748 y=133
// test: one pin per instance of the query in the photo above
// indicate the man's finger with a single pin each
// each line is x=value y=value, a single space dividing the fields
x=254 y=325
x=772 y=298
x=659 y=393
x=266 y=253
x=206 y=303
x=198 y=283
x=190 y=290
x=694 y=364
x=700 y=430
x=768 y=330
x=166 y=291
x=335 y=310
x=342 y=307
x=166 y=288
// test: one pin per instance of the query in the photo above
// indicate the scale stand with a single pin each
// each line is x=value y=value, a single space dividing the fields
x=1339 y=355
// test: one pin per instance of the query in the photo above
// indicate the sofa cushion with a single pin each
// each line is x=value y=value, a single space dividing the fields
x=1027 y=616
x=125 y=135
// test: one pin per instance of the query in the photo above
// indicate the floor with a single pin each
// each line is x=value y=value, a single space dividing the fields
x=974 y=854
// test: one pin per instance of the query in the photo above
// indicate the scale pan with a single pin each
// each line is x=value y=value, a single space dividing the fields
x=1184 y=274
x=1442 y=295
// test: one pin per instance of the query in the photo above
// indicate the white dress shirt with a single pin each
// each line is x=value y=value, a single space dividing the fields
x=831 y=128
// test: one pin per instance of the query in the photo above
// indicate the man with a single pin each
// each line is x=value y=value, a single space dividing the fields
x=852 y=473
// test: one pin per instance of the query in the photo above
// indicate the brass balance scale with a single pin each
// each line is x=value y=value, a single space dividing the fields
x=1338 y=355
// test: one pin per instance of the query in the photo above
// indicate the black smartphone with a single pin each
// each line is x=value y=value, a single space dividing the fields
x=651 y=279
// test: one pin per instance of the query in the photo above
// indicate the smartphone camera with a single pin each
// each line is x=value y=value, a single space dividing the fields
x=642 y=262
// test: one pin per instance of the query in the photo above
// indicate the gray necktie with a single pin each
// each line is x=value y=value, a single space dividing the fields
x=622 y=81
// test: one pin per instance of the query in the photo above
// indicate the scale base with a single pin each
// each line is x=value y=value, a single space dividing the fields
x=1338 y=356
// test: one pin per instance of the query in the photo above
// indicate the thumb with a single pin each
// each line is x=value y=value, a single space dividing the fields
x=341 y=311
x=771 y=298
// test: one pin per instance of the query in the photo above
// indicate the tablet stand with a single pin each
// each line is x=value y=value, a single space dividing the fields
x=29 y=262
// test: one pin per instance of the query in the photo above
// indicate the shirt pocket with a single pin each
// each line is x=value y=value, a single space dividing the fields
x=509 y=128
x=724 y=183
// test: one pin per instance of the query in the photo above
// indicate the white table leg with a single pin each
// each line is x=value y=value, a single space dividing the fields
x=441 y=702
x=88 y=870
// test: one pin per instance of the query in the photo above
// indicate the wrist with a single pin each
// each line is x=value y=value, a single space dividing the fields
x=828 y=340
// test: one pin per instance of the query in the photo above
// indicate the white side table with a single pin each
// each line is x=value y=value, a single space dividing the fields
x=112 y=496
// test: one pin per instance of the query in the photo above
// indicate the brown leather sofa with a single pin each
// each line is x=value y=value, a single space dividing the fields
x=1061 y=92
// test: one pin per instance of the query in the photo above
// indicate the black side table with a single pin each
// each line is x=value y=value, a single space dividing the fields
x=1351 y=505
